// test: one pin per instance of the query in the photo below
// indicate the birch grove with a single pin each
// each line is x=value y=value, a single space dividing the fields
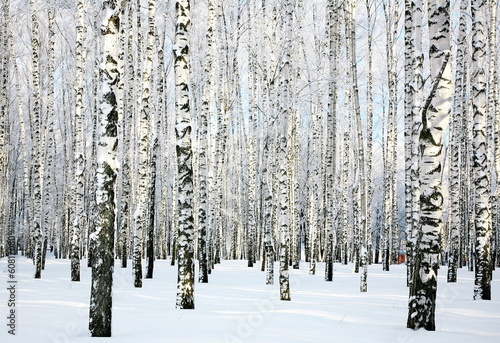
x=275 y=133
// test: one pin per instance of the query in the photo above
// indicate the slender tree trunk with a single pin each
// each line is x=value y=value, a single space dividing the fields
x=126 y=200
x=102 y=269
x=369 y=133
x=435 y=118
x=252 y=167
x=150 y=202
x=79 y=158
x=482 y=282
x=331 y=150
x=185 y=277
x=37 y=192
x=409 y=52
x=284 y=212
x=456 y=138
x=49 y=156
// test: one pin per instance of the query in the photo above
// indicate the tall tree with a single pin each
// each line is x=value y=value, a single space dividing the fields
x=147 y=105
x=495 y=107
x=205 y=112
x=456 y=138
x=360 y=153
x=79 y=191
x=252 y=158
x=126 y=200
x=417 y=90
x=435 y=119
x=331 y=150
x=102 y=269
x=408 y=58
x=36 y=136
x=284 y=211
x=185 y=276
x=49 y=177
x=482 y=281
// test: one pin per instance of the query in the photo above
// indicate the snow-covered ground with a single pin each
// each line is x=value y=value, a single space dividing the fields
x=237 y=306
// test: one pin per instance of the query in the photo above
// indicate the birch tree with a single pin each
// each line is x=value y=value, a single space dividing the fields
x=185 y=276
x=495 y=106
x=147 y=105
x=435 y=118
x=49 y=177
x=103 y=237
x=456 y=138
x=203 y=171
x=126 y=201
x=332 y=135
x=482 y=281
x=408 y=104
x=284 y=212
x=79 y=161
x=36 y=136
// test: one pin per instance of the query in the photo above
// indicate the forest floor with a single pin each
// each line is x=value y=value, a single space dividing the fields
x=237 y=306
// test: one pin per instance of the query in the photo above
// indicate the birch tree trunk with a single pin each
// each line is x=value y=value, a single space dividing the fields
x=49 y=156
x=150 y=199
x=417 y=90
x=93 y=155
x=203 y=170
x=37 y=192
x=252 y=163
x=435 y=118
x=496 y=108
x=284 y=212
x=482 y=282
x=185 y=277
x=331 y=137
x=79 y=159
x=126 y=201
x=103 y=237
x=456 y=138
x=409 y=51
x=360 y=155
x=369 y=132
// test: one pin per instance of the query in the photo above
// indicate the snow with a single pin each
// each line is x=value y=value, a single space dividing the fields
x=237 y=306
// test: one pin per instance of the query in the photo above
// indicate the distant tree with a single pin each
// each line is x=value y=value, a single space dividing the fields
x=482 y=223
x=36 y=136
x=148 y=104
x=435 y=119
x=79 y=192
x=284 y=178
x=203 y=172
x=456 y=138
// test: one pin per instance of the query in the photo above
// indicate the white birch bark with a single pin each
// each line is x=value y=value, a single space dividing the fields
x=185 y=276
x=149 y=218
x=49 y=155
x=126 y=201
x=408 y=108
x=495 y=107
x=284 y=213
x=482 y=281
x=252 y=163
x=456 y=138
x=79 y=158
x=435 y=119
x=36 y=125
x=417 y=92
x=360 y=155
x=103 y=237
x=369 y=131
